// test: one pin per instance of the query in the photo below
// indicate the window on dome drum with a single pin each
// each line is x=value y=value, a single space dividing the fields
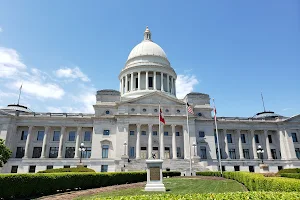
x=14 y=169
x=154 y=133
x=201 y=134
x=87 y=153
x=70 y=152
x=177 y=134
x=256 y=138
x=294 y=136
x=56 y=135
x=229 y=138
x=105 y=151
x=136 y=83
x=243 y=138
x=24 y=135
x=49 y=167
x=178 y=152
x=32 y=169
x=37 y=152
x=87 y=136
x=203 y=153
x=131 y=133
x=297 y=150
x=144 y=133
x=131 y=152
x=128 y=86
x=150 y=81
x=53 y=153
x=232 y=154
x=270 y=138
x=166 y=133
x=40 y=135
x=273 y=152
x=104 y=168
x=20 y=152
x=72 y=135
x=246 y=153
x=106 y=132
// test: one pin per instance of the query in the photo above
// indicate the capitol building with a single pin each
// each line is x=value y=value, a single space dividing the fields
x=125 y=129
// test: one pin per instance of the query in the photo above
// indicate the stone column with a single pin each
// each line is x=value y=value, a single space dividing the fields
x=61 y=141
x=168 y=83
x=28 y=140
x=226 y=143
x=269 y=155
x=126 y=83
x=139 y=80
x=174 y=147
x=147 y=80
x=154 y=80
x=138 y=141
x=44 y=150
x=186 y=143
x=290 y=145
x=240 y=144
x=122 y=87
x=162 y=146
x=172 y=85
x=283 y=149
x=78 y=134
x=131 y=82
x=162 y=81
x=150 y=141
x=253 y=145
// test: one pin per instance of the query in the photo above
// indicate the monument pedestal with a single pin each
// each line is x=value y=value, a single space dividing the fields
x=154 y=176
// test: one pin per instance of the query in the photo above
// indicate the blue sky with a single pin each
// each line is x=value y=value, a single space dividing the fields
x=64 y=51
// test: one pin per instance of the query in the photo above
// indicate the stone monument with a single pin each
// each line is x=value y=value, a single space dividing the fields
x=154 y=175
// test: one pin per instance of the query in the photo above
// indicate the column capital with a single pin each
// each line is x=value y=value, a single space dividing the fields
x=150 y=125
x=173 y=125
x=138 y=125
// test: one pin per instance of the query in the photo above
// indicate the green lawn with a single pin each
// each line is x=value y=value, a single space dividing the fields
x=180 y=186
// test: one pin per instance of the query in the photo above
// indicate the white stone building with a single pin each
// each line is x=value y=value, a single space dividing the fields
x=124 y=129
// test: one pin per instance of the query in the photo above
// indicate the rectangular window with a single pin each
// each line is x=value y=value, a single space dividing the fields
x=236 y=168
x=223 y=168
x=24 y=135
x=56 y=135
x=37 y=152
x=201 y=134
x=154 y=132
x=297 y=150
x=20 y=152
x=104 y=168
x=106 y=132
x=131 y=133
x=251 y=168
x=14 y=169
x=155 y=148
x=280 y=168
x=150 y=80
x=270 y=138
x=243 y=138
x=256 y=138
x=177 y=134
x=232 y=154
x=229 y=138
x=144 y=133
x=72 y=135
x=273 y=152
x=40 y=135
x=144 y=148
x=136 y=83
x=32 y=169
x=166 y=133
x=87 y=136
x=246 y=153
x=49 y=166
x=178 y=152
x=66 y=166
x=70 y=152
x=105 y=151
x=131 y=152
x=53 y=153
x=203 y=153
x=87 y=153
x=294 y=136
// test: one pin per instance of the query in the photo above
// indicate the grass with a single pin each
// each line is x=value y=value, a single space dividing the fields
x=180 y=186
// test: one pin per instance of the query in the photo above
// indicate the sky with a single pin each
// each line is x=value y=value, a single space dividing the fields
x=64 y=51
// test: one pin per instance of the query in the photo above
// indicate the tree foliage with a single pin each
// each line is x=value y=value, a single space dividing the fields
x=4 y=153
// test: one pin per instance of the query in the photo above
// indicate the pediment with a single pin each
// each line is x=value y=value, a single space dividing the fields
x=294 y=119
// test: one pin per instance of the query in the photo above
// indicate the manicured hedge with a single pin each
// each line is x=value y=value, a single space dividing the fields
x=29 y=185
x=291 y=170
x=215 y=196
x=291 y=175
x=63 y=170
x=208 y=173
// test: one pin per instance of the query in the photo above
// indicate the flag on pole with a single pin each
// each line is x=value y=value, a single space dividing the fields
x=21 y=86
x=215 y=112
x=189 y=108
x=161 y=117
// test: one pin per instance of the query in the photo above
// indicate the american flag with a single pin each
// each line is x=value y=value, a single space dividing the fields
x=189 y=108
x=161 y=117
x=215 y=112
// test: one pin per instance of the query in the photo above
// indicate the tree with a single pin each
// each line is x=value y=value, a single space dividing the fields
x=4 y=153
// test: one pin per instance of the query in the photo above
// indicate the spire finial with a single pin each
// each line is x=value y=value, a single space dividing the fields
x=147 y=34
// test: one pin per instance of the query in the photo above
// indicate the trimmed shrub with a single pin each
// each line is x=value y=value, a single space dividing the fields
x=291 y=170
x=63 y=170
x=291 y=175
x=208 y=173
x=171 y=174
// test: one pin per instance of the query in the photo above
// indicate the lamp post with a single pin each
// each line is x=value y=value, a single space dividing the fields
x=125 y=145
x=81 y=149
x=194 y=145
x=260 y=152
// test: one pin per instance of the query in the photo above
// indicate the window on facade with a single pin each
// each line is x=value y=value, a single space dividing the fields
x=105 y=151
x=72 y=135
x=87 y=153
x=150 y=81
x=40 y=135
x=246 y=153
x=155 y=148
x=131 y=152
x=53 y=153
x=37 y=151
x=270 y=138
x=243 y=138
x=107 y=112
x=177 y=134
x=106 y=132
x=294 y=136
x=20 y=152
x=223 y=168
x=14 y=169
x=136 y=83
x=232 y=154
x=87 y=136
x=70 y=152
x=32 y=169
x=144 y=133
x=280 y=168
x=297 y=150
x=273 y=152
x=201 y=134
x=178 y=152
x=104 y=168
x=49 y=166
x=143 y=148
x=203 y=153
x=217 y=153
x=166 y=133
x=24 y=135
x=229 y=138
x=131 y=133
x=66 y=166
x=236 y=168
x=56 y=135
x=256 y=138
x=154 y=133
x=251 y=168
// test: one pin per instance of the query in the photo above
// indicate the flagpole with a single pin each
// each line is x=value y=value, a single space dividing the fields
x=159 y=134
x=219 y=152
x=188 y=130
x=19 y=94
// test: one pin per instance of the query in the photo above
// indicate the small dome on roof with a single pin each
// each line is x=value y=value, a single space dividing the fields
x=266 y=115
x=17 y=107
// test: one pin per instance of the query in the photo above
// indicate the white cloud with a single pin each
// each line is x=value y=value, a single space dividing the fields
x=185 y=84
x=286 y=109
x=72 y=74
x=1 y=29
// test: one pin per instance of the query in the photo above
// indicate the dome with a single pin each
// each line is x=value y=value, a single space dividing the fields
x=266 y=115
